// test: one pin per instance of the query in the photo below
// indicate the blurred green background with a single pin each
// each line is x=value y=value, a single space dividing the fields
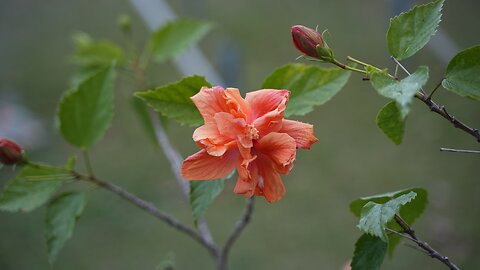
x=311 y=227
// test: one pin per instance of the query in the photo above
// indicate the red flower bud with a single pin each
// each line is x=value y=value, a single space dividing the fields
x=10 y=152
x=306 y=40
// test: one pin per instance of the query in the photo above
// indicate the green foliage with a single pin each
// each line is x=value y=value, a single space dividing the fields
x=374 y=217
x=309 y=85
x=401 y=91
x=31 y=188
x=462 y=76
x=173 y=38
x=410 y=31
x=389 y=120
x=202 y=194
x=409 y=212
x=86 y=113
x=173 y=100
x=62 y=214
x=369 y=253
x=95 y=54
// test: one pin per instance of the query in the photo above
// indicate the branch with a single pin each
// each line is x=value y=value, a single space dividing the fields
x=172 y=155
x=241 y=224
x=459 y=150
x=176 y=164
x=422 y=244
x=440 y=109
x=149 y=208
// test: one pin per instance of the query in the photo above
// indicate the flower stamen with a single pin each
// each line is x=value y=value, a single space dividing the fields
x=252 y=132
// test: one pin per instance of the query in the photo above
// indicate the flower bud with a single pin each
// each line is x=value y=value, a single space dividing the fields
x=125 y=23
x=307 y=40
x=10 y=152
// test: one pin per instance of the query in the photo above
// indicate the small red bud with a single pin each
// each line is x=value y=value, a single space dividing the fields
x=10 y=152
x=306 y=40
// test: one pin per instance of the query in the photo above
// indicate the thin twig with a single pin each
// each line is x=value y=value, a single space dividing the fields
x=172 y=155
x=405 y=70
x=149 y=208
x=435 y=89
x=441 y=110
x=406 y=236
x=176 y=164
x=422 y=244
x=241 y=224
x=443 y=149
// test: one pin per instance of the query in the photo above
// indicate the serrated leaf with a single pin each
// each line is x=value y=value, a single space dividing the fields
x=62 y=214
x=309 y=85
x=462 y=75
x=173 y=100
x=409 y=212
x=389 y=120
x=31 y=188
x=401 y=91
x=374 y=217
x=410 y=31
x=86 y=113
x=202 y=194
x=369 y=253
x=176 y=36
x=95 y=54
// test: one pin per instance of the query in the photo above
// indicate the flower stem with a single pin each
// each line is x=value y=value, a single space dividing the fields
x=351 y=59
x=343 y=66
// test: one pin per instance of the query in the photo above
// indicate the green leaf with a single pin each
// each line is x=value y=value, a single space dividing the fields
x=389 y=120
x=95 y=54
x=374 y=217
x=462 y=76
x=202 y=194
x=309 y=85
x=86 y=113
x=31 y=188
x=62 y=214
x=176 y=36
x=369 y=253
x=409 y=212
x=173 y=100
x=410 y=31
x=401 y=91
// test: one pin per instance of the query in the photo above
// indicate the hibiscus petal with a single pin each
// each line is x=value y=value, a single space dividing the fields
x=229 y=126
x=269 y=122
x=266 y=100
x=202 y=166
x=238 y=106
x=280 y=148
x=247 y=178
x=270 y=184
x=210 y=101
x=301 y=132
x=208 y=137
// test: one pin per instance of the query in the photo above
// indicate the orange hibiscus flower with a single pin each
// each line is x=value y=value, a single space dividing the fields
x=247 y=134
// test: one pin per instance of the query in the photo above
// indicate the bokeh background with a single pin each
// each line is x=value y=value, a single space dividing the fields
x=311 y=227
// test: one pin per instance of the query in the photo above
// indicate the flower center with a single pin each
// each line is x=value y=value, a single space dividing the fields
x=252 y=133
